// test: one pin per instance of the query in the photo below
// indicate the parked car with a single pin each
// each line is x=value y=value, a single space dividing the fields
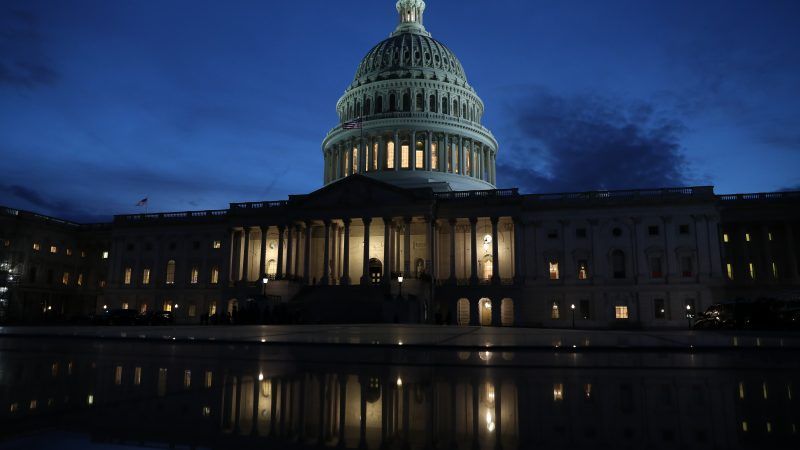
x=117 y=317
x=759 y=314
x=155 y=318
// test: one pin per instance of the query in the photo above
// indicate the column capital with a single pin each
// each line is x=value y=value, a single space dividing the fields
x=387 y=220
x=473 y=220
x=452 y=221
x=327 y=222
x=407 y=220
x=366 y=220
x=494 y=220
x=346 y=221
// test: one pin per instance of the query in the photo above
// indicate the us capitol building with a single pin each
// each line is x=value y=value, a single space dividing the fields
x=411 y=227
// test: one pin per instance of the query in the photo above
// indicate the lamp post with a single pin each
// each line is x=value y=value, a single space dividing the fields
x=689 y=315
x=572 y=308
x=264 y=282
x=400 y=284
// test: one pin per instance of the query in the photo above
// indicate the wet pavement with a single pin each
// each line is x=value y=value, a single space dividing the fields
x=358 y=387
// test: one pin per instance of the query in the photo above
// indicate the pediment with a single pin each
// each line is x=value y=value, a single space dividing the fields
x=358 y=191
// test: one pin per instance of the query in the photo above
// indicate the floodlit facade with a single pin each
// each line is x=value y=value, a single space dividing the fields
x=409 y=226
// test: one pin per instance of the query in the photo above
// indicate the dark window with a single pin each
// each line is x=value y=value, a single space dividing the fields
x=50 y=275
x=626 y=398
x=616 y=232
x=32 y=275
x=420 y=103
x=172 y=246
x=392 y=103
x=686 y=266
x=683 y=229
x=660 y=309
x=652 y=230
x=618 y=263
x=580 y=232
x=432 y=103
x=196 y=245
x=552 y=234
x=666 y=395
x=585 y=310
x=130 y=247
x=655 y=267
x=148 y=246
x=406 y=102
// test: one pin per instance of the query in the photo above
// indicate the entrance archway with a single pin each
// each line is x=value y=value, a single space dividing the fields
x=507 y=312
x=375 y=270
x=485 y=312
x=462 y=312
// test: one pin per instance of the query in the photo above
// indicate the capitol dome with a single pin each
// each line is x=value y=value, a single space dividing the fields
x=410 y=118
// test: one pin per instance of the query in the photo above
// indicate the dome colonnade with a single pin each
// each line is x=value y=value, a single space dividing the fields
x=410 y=118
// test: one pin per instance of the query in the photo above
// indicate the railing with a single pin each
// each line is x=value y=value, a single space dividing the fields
x=260 y=205
x=697 y=191
x=171 y=215
x=760 y=196
x=492 y=193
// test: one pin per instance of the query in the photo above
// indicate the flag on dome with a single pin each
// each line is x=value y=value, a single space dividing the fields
x=353 y=124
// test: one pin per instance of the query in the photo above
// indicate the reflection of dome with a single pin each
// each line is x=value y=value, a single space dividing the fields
x=410 y=118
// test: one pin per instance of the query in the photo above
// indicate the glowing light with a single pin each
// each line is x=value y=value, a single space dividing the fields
x=263 y=340
x=399 y=382
x=260 y=377
x=90 y=399
x=572 y=306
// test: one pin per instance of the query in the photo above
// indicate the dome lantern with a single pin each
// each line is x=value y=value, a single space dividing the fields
x=410 y=17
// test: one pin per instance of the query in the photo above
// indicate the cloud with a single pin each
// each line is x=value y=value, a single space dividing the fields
x=23 y=62
x=588 y=142
x=41 y=203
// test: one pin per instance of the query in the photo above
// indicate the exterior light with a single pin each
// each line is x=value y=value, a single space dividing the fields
x=487 y=305
x=399 y=278
x=105 y=306
x=688 y=307
x=572 y=306
x=176 y=306
x=265 y=279
x=260 y=377
x=49 y=308
x=399 y=382
x=263 y=340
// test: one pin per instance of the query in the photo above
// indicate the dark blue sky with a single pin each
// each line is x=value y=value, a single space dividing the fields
x=196 y=104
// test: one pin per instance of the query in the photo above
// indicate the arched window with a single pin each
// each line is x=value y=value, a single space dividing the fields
x=618 y=263
x=404 y=155
x=379 y=104
x=390 y=155
x=432 y=103
x=171 y=271
x=444 y=106
x=271 y=267
x=392 y=103
x=355 y=159
x=367 y=107
x=406 y=102
x=485 y=312
x=464 y=114
x=455 y=107
x=434 y=155
x=420 y=103
x=419 y=156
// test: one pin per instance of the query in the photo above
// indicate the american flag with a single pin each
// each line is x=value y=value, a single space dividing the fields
x=142 y=202
x=353 y=124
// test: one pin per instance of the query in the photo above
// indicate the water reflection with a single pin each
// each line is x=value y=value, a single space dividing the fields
x=221 y=396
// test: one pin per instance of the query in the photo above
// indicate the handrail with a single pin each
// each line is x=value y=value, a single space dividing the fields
x=760 y=196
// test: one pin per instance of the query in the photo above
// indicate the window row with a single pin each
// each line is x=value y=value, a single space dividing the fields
x=53 y=250
x=726 y=238
x=65 y=279
x=454 y=108
x=215 y=244
x=618 y=267
x=751 y=270
x=583 y=310
x=194 y=275
x=652 y=230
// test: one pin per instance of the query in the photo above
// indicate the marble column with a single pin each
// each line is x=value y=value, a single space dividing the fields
x=428 y=142
x=346 y=258
x=289 y=268
x=246 y=259
x=495 y=252
x=407 y=246
x=365 y=266
x=460 y=163
x=297 y=250
x=307 y=254
x=263 y=258
x=412 y=150
x=279 y=269
x=326 y=267
x=473 y=258
x=519 y=251
x=453 y=250
x=396 y=150
x=387 y=253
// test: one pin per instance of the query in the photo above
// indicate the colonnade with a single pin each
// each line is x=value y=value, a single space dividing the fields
x=411 y=150
x=304 y=247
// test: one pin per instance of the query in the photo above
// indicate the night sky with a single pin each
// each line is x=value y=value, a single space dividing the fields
x=195 y=104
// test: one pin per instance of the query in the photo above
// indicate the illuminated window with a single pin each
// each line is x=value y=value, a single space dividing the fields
x=192 y=310
x=558 y=392
x=769 y=427
x=125 y=305
x=137 y=376
x=14 y=407
x=751 y=269
x=747 y=237
x=36 y=246
x=741 y=390
x=6 y=243
x=216 y=245
x=54 y=369
x=744 y=426
x=346 y=163
x=206 y=411
x=467 y=162
x=118 y=375
x=171 y=271
x=355 y=159
x=583 y=270
x=69 y=252
x=455 y=158
x=374 y=157
x=143 y=308
x=90 y=399
x=390 y=155
x=764 y=389
x=83 y=254
x=65 y=278
x=554 y=274
x=128 y=274
x=167 y=305
x=725 y=237
x=729 y=270
x=621 y=312
x=404 y=156
x=435 y=156
x=105 y=255
x=587 y=392
x=194 y=275
x=555 y=311
x=209 y=378
x=774 y=270
x=769 y=235
x=33 y=404
x=53 y=249
x=212 y=308
x=187 y=379
x=146 y=275
x=214 y=275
